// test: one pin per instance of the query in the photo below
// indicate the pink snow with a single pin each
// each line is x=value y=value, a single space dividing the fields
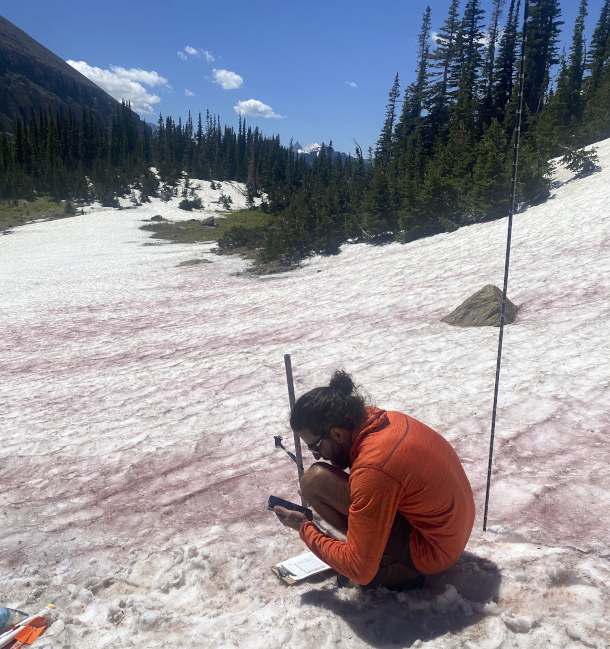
x=139 y=400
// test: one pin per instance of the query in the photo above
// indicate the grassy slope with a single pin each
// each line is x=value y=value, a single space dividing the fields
x=193 y=231
x=12 y=215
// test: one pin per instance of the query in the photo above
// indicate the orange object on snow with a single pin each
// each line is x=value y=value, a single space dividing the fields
x=399 y=464
x=27 y=635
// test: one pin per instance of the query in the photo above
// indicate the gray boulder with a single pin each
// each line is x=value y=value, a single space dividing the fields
x=482 y=309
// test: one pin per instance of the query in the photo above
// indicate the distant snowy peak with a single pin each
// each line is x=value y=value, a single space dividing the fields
x=311 y=148
x=310 y=152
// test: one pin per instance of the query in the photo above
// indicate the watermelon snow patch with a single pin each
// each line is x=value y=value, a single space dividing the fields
x=138 y=404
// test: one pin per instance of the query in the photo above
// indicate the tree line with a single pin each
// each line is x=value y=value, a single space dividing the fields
x=442 y=160
x=56 y=156
x=444 y=155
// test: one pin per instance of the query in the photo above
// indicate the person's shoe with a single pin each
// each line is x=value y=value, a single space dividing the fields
x=391 y=575
x=396 y=576
x=346 y=582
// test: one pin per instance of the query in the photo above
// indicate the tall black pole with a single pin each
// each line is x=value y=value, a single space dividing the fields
x=297 y=439
x=511 y=212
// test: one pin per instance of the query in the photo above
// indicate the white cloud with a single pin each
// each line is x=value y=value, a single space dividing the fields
x=228 y=80
x=143 y=76
x=189 y=93
x=125 y=84
x=193 y=51
x=255 y=108
x=351 y=84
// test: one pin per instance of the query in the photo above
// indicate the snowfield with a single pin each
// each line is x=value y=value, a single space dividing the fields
x=138 y=404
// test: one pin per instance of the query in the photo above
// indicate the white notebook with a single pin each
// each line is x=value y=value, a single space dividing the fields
x=297 y=568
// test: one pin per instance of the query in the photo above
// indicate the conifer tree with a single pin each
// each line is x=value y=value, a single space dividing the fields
x=541 y=54
x=415 y=93
x=470 y=60
x=557 y=125
x=383 y=150
x=504 y=73
x=487 y=109
x=576 y=66
x=443 y=57
x=599 y=50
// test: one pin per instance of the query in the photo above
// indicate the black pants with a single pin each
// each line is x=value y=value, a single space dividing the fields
x=397 y=546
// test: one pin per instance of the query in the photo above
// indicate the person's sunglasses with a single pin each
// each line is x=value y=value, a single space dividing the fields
x=315 y=448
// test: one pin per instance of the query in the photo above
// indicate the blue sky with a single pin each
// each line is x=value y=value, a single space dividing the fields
x=293 y=59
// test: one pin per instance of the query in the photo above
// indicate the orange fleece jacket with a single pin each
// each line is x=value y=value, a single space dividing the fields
x=399 y=464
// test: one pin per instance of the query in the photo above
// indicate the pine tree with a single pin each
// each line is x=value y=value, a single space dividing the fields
x=383 y=150
x=599 y=51
x=576 y=67
x=487 y=109
x=415 y=93
x=378 y=217
x=442 y=58
x=506 y=61
x=558 y=124
x=491 y=175
x=541 y=53
x=470 y=60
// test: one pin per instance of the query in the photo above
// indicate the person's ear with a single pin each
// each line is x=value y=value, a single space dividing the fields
x=340 y=435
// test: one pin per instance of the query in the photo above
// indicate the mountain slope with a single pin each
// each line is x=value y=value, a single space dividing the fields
x=31 y=76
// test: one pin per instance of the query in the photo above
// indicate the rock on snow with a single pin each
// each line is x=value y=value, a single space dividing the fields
x=139 y=399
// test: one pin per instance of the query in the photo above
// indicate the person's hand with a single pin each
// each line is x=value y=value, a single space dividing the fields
x=290 y=518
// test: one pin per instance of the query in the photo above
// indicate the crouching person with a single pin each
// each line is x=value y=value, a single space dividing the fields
x=406 y=505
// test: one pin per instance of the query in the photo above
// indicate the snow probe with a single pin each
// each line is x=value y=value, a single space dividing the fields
x=297 y=439
x=511 y=212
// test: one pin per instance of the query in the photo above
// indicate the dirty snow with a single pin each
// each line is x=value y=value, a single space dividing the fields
x=138 y=404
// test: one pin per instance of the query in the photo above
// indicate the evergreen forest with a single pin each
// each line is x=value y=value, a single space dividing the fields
x=443 y=158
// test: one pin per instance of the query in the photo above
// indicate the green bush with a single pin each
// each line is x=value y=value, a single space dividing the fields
x=189 y=206
x=241 y=237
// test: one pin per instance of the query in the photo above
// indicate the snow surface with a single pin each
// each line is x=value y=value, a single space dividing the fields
x=138 y=404
x=209 y=199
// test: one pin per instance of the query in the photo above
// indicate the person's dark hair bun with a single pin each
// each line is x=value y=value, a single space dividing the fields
x=336 y=405
x=342 y=382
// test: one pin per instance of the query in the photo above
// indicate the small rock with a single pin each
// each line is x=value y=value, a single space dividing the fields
x=157 y=217
x=209 y=222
